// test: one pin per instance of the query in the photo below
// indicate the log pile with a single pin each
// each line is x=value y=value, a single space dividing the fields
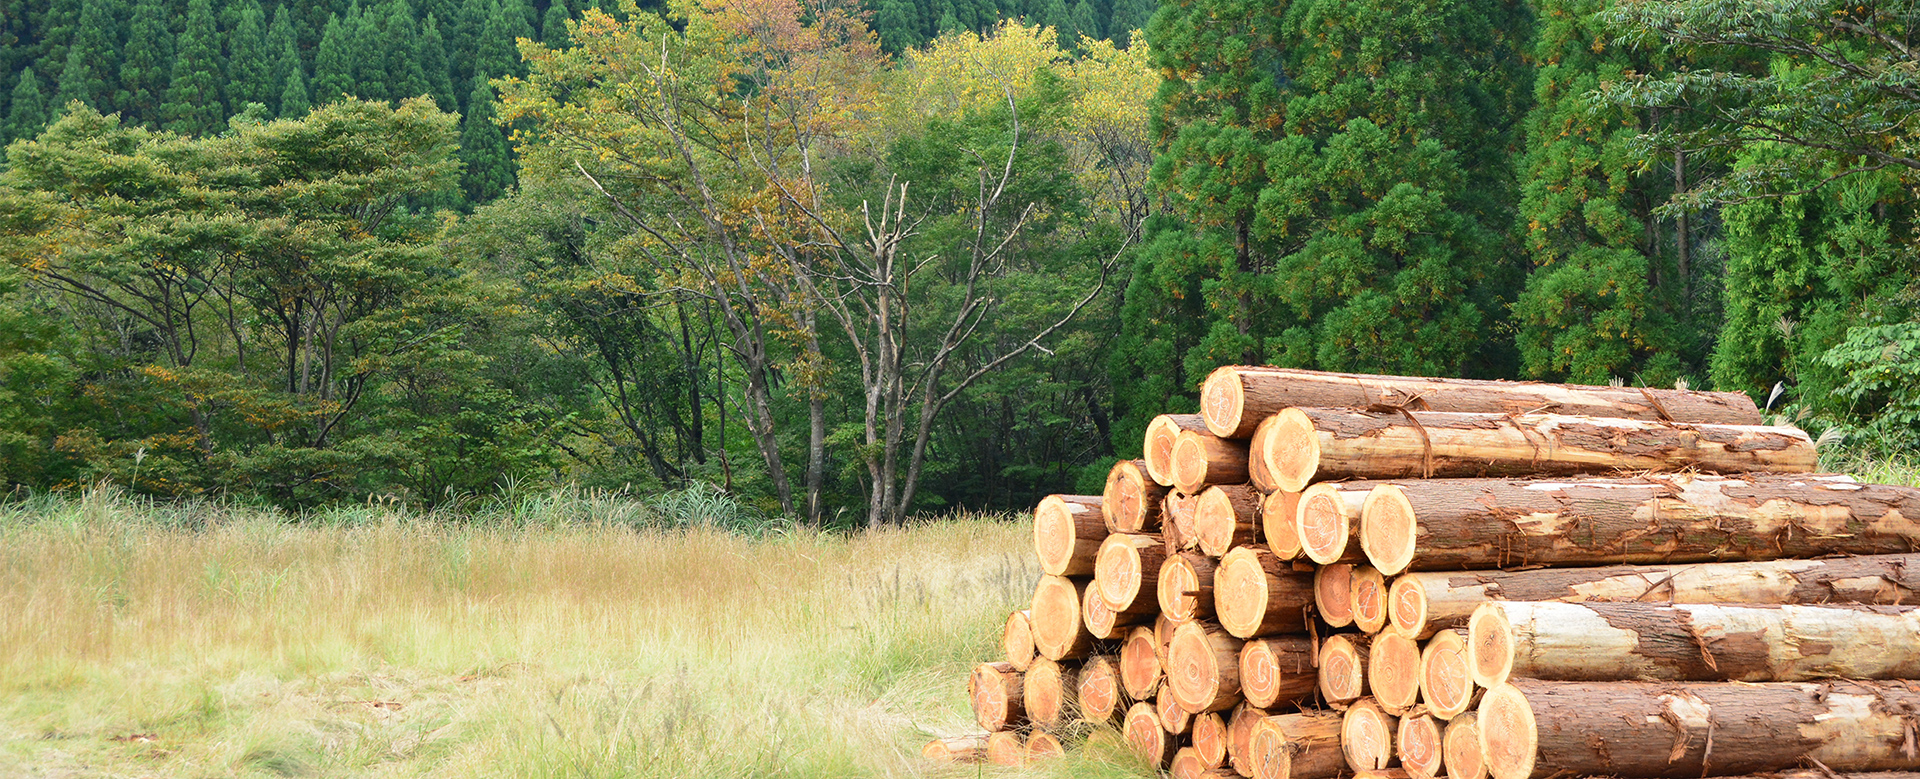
x=1328 y=574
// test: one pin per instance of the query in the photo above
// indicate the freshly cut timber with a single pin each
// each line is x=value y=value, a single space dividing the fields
x=1140 y=664
x=1257 y=473
x=1102 y=623
x=1692 y=641
x=1419 y=745
x=1258 y=594
x=1278 y=670
x=1227 y=516
x=1367 y=599
x=1059 y=631
x=1049 y=693
x=998 y=699
x=1459 y=524
x=1067 y=531
x=1176 y=521
x=1463 y=758
x=1186 y=764
x=1017 y=640
x=1131 y=501
x=1393 y=672
x=1333 y=593
x=1240 y=737
x=1328 y=521
x=1343 y=668
x=1236 y=398
x=1006 y=748
x=1366 y=736
x=1314 y=444
x=1098 y=689
x=1041 y=744
x=1174 y=717
x=1163 y=627
x=1128 y=573
x=1203 y=667
x=1425 y=603
x=1532 y=728
x=1201 y=459
x=1186 y=586
x=958 y=749
x=1446 y=677
x=1210 y=739
x=1149 y=739
x=1277 y=511
x=1296 y=746
x=1162 y=432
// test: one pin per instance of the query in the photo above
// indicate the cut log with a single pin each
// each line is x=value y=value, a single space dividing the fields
x=1692 y=642
x=1679 y=518
x=1210 y=739
x=1163 y=627
x=1240 y=737
x=1016 y=639
x=1257 y=473
x=1067 y=531
x=1131 y=501
x=1419 y=745
x=1186 y=764
x=1531 y=728
x=1446 y=677
x=1102 y=623
x=1333 y=594
x=1201 y=459
x=1462 y=746
x=1277 y=512
x=1203 y=667
x=1059 y=632
x=1006 y=748
x=1227 y=516
x=1366 y=736
x=1042 y=745
x=1149 y=739
x=1258 y=594
x=1276 y=671
x=1176 y=521
x=1343 y=668
x=1049 y=693
x=997 y=695
x=1393 y=672
x=1367 y=599
x=1140 y=664
x=1098 y=689
x=957 y=749
x=1174 y=717
x=1328 y=522
x=1128 y=573
x=1297 y=746
x=1162 y=432
x=1186 y=586
x=1236 y=398
x=1309 y=445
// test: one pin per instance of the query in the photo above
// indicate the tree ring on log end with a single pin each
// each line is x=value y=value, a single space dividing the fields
x=1489 y=647
x=1461 y=745
x=1367 y=599
x=1508 y=737
x=1330 y=594
x=1277 y=512
x=1323 y=525
x=1446 y=680
x=1407 y=607
x=1388 y=528
x=1420 y=746
x=1366 y=737
x=1293 y=450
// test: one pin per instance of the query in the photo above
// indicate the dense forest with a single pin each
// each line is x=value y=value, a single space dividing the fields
x=852 y=262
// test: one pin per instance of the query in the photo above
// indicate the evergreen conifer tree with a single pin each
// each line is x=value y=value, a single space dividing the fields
x=1129 y=16
x=333 y=64
x=93 y=59
x=553 y=26
x=463 y=41
x=1084 y=22
x=293 y=99
x=284 y=47
x=496 y=53
x=434 y=65
x=1060 y=19
x=369 y=63
x=27 y=108
x=524 y=20
x=250 y=63
x=484 y=149
x=148 y=65
x=56 y=30
x=406 y=77
x=195 y=103
x=898 y=25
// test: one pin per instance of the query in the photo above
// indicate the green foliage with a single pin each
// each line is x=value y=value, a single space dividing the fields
x=250 y=63
x=399 y=46
x=148 y=64
x=27 y=110
x=93 y=57
x=1879 y=398
x=489 y=162
x=435 y=67
x=333 y=63
x=553 y=26
x=195 y=98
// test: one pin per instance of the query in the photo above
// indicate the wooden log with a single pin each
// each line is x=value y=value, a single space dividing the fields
x=1446 y=676
x=1186 y=586
x=1227 y=516
x=1393 y=672
x=1128 y=573
x=1042 y=745
x=1309 y=445
x=1176 y=521
x=1297 y=746
x=1131 y=501
x=1210 y=739
x=956 y=749
x=1257 y=473
x=1236 y=398
x=1277 y=512
x=1006 y=748
x=1102 y=623
x=1049 y=693
x=1328 y=522
x=1201 y=459
x=1258 y=594
x=1174 y=717
x=1162 y=432
x=1420 y=746
x=997 y=694
x=1067 y=531
x=1366 y=736
x=1016 y=639
x=1186 y=764
x=1240 y=737
x=1163 y=627
x=1277 y=671
x=1532 y=728
x=1333 y=594
x=1367 y=599
x=1146 y=736
x=1203 y=667
x=1098 y=689
x=1692 y=642
x=1678 y=518
x=1140 y=664
x=1461 y=743
x=1059 y=631
x=1343 y=668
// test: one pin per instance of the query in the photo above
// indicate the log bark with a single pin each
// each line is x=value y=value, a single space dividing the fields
x=1067 y=531
x=1297 y=746
x=1227 y=516
x=1128 y=573
x=1162 y=432
x=1236 y=398
x=1257 y=473
x=1393 y=672
x=1049 y=693
x=1059 y=631
x=1146 y=736
x=1140 y=664
x=957 y=749
x=996 y=691
x=1131 y=501
x=1446 y=677
x=1240 y=737
x=1016 y=640
x=1310 y=445
x=1420 y=746
x=1174 y=717
x=1176 y=521
x=1203 y=667
x=1186 y=586
x=1366 y=736
x=1098 y=689
x=1659 y=730
x=1258 y=594
x=1201 y=459
x=1367 y=599
x=1343 y=668
x=1463 y=758
x=1467 y=524
x=1424 y=604
x=1327 y=522
x=1277 y=671
x=1210 y=739
x=1333 y=594
x=1006 y=748
x=1692 y=642
x=1042 y=745
x=1277 y=512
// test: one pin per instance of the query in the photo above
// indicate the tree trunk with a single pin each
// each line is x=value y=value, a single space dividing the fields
x=1692 y=642
x=1048 y=688
x=1140 y=664
x=1017 y=640
x=1128 y=573
x=1186 y=586
x=1131 y=501
x=1277 y=530
x=1366 y=736
x=1663 y=730
x=1419 y=746
x=1327 y=521
x=1098 y=689
x=1393 y=672
x=958 y=749
x=1333 y=594
x=996 y=692
x=1203 y=668
x=1147 y=737
x=1235 y=399
x=1297 y=746
x=1225 y=517
x=1201 y=459
x=1311 y=445
x=1277 y=671
x=1161 y=434
x=1005 y=748
x=1461 y=741
x=1367 y=599
x=1067 y=531
x=1343 y=668
x=1258 y=594
x=1059 y=630
x=1455 y=524
x=1446 y=675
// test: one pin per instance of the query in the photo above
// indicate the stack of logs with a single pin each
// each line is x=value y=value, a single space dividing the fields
x=1326 y=574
